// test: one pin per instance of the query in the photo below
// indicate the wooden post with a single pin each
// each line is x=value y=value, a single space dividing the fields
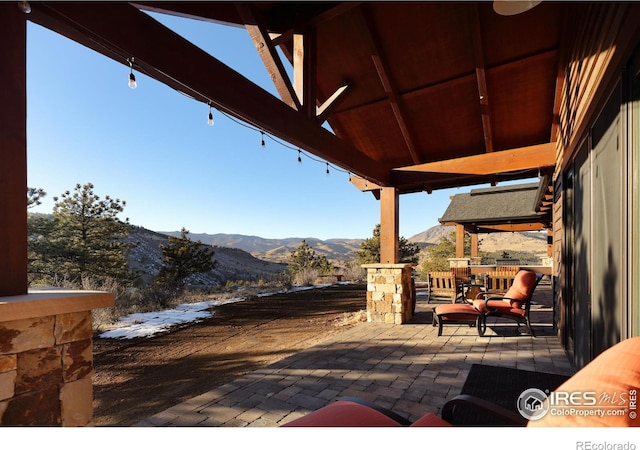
x=474 y=245
x=459 y=241
x=389 y=226
x=13 y=150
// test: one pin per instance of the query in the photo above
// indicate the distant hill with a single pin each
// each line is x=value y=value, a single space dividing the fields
x=233 y=264
x=340 y=250
x=278 y=250
x=431 y=235
x=530 y=242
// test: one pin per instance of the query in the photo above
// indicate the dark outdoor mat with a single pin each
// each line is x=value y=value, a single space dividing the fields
x=502 y=386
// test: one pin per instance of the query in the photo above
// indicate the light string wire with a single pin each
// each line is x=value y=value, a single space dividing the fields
x=284 y=144
x=130 y=60
x=263 y=133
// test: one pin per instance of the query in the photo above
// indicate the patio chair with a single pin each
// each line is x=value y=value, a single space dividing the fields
x=462 y=274
x=443 y=285
x=515 y=304
x=616 y=370
x=500 y=281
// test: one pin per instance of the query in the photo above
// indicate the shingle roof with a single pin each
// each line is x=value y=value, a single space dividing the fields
x=504 y=204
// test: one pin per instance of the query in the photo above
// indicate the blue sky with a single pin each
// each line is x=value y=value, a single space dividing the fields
x=152 y=147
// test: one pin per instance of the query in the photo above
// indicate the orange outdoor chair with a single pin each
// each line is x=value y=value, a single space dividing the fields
x=515 y=304
x=614 y=371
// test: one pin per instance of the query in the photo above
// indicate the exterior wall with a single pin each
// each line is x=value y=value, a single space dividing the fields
x=389 y=293
x=601 y=37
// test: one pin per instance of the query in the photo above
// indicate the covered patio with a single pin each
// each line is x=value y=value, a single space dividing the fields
x=407 y=97
x=406 y=368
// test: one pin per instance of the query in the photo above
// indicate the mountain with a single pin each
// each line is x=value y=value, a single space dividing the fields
x=233 y=264
x=431 y=235
x=340 y=250
x=530 y=242
x=278 y=250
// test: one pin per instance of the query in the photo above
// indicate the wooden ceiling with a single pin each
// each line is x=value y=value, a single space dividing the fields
x=419 y=95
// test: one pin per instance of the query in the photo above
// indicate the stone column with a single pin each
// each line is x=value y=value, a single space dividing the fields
x=390 y=293
x=46 y=357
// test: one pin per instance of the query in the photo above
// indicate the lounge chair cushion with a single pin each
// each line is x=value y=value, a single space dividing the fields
x=344 y=414
x=614 y=374
x=430 y=420
x=456 y=311
x=518 y=293
x=523 y=283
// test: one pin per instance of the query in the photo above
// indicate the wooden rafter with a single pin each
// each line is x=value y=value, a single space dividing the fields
x=393 y=97
x=267 y=51
x=535 y=156
x=304 y=69
x=483 y=94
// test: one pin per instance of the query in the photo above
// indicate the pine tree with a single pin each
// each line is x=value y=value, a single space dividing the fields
x=84 y=238
x=304 y=259
x=438 y=255
x=182 y=258
x=369 y=252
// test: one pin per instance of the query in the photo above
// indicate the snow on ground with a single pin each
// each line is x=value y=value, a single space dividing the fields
x=149 y=324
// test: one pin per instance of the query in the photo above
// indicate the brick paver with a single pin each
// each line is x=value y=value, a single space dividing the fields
x=407 y=368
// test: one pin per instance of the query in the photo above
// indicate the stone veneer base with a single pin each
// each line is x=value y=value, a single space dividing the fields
x=389 y=291
x=46 y=357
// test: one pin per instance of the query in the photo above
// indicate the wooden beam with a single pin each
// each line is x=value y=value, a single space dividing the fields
x=162 y=56
x=530 y=226
x=393 y=96
x=389 y=226
x=483 y=92
x=365 y=186
x=329 y=104
x=532 y=157
x=13 y=150
x=272 y=62
x=304 y=69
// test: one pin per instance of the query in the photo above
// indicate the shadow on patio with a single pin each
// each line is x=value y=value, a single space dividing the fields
x=406 y=368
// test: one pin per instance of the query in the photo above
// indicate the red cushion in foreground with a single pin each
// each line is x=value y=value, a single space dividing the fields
x=344 y=414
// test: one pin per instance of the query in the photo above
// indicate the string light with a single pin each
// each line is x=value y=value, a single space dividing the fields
x=299 y=157
x=132 y=77
x=25 y=7
x=327 y=169
x=210 y=118
x=262 y=144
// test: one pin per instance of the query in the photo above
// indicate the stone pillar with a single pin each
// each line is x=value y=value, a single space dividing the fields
x=46 y=357
x=389 y=293
x=459 y=262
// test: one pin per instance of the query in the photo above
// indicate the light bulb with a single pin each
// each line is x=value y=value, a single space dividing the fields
x=262 y=139
x=132 y=81
x=327 y=169
x=210 y=119
x=299 y=158
x=25 y=7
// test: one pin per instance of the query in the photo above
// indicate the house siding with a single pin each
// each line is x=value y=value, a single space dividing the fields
x=603 y=38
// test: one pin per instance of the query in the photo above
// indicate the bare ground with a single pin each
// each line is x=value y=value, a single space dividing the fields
x=137 y=378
